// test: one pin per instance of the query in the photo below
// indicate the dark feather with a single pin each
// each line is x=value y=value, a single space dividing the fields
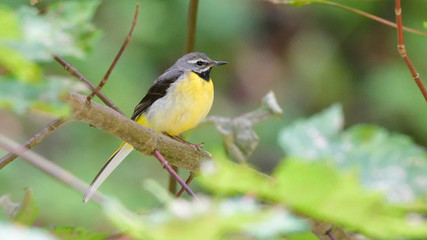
x=158 y=90
x=205 y=74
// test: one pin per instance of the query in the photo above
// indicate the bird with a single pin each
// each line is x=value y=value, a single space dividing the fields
x=178 y=100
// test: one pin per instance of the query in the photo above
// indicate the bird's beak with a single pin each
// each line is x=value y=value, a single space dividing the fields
x=219 y=63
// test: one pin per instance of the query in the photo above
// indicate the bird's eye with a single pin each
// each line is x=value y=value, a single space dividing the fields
x=199 y=63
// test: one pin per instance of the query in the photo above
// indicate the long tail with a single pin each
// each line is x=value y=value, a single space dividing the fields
x=118 y=156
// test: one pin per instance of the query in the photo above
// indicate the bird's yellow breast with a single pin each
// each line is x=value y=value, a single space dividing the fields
x=186 y=103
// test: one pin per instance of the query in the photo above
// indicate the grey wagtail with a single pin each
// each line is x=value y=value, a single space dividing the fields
x=178 y=100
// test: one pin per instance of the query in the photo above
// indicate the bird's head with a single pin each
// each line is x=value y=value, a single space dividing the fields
x=198 y=62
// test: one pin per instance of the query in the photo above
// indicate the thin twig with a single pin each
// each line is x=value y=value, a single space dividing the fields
x=330 y=235
x=362 y=13
x=192 y=21
x=189 y=179
x=402 y=50
x=172 y=181
x=166 y=165
x=373 y=17
x=48 y=167
x=119 y=54
x=36 y=139
x=74 y=72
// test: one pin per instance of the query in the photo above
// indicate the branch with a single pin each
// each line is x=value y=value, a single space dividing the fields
x=331 y=235
x=402 y=50
x=52 y=126
x=36 y=139
x=141 y=138
x=362 y=13
x=189 y=179
x=119 y=54
x=48 y=167
x=172 y=172
x=327 y=231
x=74 y=72
x=192 y=20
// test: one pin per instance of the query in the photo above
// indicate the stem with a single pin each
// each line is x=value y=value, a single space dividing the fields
x=74 y=72
x=48 y=167
x=172 y=181
x=166 y=165
x=330 y=235
x=119 y=54
x=190 y=178
x=402 y=50
x=373 y=17
x=362 y=13
x=36 y=139
x=192 y=20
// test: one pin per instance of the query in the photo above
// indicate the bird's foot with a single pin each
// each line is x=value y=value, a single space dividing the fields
x=195 y=146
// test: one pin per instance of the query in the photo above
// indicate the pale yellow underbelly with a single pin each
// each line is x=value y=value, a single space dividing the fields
x=187 y=102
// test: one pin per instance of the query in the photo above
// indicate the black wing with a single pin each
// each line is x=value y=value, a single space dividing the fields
x=158 y=90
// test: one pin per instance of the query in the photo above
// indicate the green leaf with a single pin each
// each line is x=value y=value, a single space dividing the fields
x=388 y=162
x=10 y=24
x=27 y=37
x=205 y=219
x=302 y=236
x=318 y=190
x=76 y=233
x=64 y=32
x=425 y=24
x=24 y=212
x=12 y=60
x=44 y=97
x=310 y=138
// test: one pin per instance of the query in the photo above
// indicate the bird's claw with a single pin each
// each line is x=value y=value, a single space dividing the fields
x=195 y=146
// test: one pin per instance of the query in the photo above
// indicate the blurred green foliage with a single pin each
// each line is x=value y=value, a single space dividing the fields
x=13 y=60
x=75 y=233
x=27 y=38
x=311 y=56
x=24 y=212
x=319 y=191
x=380 y=156
x=309 y=182
x=207 y=219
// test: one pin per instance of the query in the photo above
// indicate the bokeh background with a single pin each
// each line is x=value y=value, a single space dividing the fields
x=311 y=57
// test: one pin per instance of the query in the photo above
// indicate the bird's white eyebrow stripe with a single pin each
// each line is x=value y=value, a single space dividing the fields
x=196 y=60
